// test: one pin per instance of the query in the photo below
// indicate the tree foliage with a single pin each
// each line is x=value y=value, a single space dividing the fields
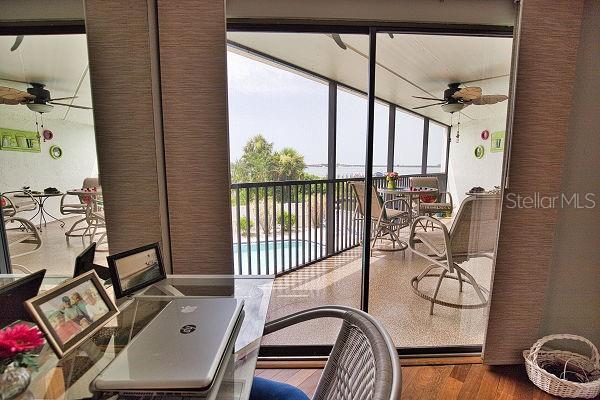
x=259 y=163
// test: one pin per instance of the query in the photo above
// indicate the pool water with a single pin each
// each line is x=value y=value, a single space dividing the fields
x=282 y=251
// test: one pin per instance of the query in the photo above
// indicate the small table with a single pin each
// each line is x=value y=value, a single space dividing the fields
x=40 y=199
x=410 y=194
x=70 y=377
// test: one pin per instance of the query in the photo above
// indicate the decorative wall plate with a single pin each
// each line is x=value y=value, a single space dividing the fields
x=47 y=134
x=485 y=134
x=55 y=152
x=479 y=151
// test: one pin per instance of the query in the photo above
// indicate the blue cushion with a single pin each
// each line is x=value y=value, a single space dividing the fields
x=264 y=389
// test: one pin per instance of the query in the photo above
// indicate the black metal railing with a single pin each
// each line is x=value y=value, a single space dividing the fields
x=279 y=227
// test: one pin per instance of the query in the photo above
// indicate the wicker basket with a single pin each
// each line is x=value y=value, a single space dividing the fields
x=587 y=367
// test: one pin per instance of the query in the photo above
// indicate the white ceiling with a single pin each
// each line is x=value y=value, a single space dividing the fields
x=408 y=65
x=58 y=61
x=427 y=61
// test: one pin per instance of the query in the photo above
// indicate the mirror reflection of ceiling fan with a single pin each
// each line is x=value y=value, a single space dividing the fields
x=36 y=98
x=456 y=97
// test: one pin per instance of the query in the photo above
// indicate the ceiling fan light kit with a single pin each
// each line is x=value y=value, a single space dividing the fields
x=453 y=107
x=40 y=107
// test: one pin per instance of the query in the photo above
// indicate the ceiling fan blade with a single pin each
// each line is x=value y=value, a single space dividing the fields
x=63 y=98
x=467 y=93
x=17 y=43
x=485 y=79
x=13 y=80
x=429 y=105
x=338 y=40
x=13 y=96
x=428 y=98
x=488 y=99
x=72 y=105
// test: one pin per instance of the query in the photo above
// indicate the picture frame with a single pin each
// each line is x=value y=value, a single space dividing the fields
x=72 y=312
x=137 y=276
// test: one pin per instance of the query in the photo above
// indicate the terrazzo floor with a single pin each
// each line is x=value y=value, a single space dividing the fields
x=391 y=300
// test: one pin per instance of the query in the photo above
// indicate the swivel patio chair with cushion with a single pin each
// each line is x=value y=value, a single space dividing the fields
x=387 y=217
x=12 y=205
x=363 y=364
x=473 y=234
x=429 y=204
x=23 y=239
x=70 y=206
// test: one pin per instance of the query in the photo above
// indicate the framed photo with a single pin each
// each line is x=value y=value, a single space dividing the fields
x=72 y=312
x=136 y=269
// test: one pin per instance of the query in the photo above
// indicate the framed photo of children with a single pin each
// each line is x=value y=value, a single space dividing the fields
x=72 y=312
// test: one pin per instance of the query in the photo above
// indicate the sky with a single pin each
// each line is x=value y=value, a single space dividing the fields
x=291 y=111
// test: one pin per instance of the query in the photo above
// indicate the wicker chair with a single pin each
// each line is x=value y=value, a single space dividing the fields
x=443 y=202
x=363 y=364
x=388 y=217
x=473 y=234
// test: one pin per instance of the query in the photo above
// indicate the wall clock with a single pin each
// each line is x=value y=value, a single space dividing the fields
x=479 y=151
x=55 y=152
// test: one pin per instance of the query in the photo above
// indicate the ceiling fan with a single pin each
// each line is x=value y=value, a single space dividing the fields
x=456 y=98
x=36 y=98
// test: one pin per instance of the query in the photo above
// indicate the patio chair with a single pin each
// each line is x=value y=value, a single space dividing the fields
x=473 y=234
x=70 y=207
x=23 y=239
x=12 y=205
x=387 y=217
x=96 y=222
x=363 y=364
x=430 y=205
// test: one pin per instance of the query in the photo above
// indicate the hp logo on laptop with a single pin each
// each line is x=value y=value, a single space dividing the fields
x=187 y=329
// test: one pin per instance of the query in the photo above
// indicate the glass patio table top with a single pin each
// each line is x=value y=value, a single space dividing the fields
x=70 y=377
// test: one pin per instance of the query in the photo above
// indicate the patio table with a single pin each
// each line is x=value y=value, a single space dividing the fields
x=40 y=199
x=410 y=194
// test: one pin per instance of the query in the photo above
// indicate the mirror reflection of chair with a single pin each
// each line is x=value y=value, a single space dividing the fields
x=442 y=203
x=70 y=206
x=387 y=217
x=96 y=223
x=472 y=234
x=23 y=239
x=12 y=205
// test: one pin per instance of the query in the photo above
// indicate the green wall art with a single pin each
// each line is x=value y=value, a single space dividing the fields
x=497 y=142
x=15 y=140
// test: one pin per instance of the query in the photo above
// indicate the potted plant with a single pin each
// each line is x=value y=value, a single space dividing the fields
x=17 y=357
x=391 y=179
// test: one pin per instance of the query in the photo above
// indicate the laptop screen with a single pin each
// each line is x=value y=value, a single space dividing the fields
x=15 y=293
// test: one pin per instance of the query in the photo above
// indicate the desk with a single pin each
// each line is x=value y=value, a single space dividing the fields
x=61 y=379
x=40 y=199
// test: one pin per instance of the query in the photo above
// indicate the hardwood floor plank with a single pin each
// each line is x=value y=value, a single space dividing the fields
x=445 y=382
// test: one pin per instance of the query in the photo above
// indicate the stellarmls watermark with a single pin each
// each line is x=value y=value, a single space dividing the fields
x=544 y=201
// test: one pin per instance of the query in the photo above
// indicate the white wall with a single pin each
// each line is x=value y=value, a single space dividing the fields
x=39 y=170
x=464 y=170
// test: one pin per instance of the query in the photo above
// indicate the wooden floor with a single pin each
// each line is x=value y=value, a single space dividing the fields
x=447 y=382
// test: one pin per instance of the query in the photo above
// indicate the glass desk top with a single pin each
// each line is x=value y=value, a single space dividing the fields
x=70 y=377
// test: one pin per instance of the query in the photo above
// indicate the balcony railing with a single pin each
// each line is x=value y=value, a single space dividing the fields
x=279 y=227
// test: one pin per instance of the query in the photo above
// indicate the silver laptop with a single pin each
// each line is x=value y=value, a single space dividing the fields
x=179 y=351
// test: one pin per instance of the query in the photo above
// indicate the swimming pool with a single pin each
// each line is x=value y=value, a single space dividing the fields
x=283 y=250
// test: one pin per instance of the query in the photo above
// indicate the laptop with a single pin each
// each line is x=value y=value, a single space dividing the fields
x=85 y=263
x=15 y=293
x=179 y=352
